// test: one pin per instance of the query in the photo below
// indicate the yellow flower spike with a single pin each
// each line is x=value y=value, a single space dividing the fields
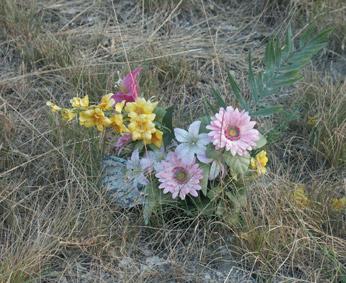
x=119 y=106
x=140 y=106
x=117 y=123
x=81 y=103
x=68 y=114
x=300 y=198
x=53 y=107
x=107 y=102
x=142 y=127
x=94 y=117
x=339 y=203
x=259 y=162
x=156 y=138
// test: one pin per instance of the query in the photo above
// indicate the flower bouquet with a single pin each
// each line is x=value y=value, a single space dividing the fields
x=205 y=166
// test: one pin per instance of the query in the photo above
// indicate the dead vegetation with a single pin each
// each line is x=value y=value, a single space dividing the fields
x=56 y=224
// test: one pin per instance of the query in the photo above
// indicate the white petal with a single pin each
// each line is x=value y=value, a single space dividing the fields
x=175 y=194
x=185 y=153
x=203 y=158
x=203 y=139
x=135 y=155
x=194 y=128
x=214 y=170
x=142 y=180
x=199 y=150
x=181 y=135
x=188 y=158
x=146 y=163
x=182 y=149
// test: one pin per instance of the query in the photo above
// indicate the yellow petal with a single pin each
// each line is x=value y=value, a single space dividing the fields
x=68 y=114
x=107 y=102
x=119 y=106
x=339 y=203
x=300 y=197
x=140 y=106
x=156 y=138
x=84 y=102
x=53 y=107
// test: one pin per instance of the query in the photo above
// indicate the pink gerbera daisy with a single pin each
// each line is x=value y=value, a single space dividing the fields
x=179 y=178
x=128 y=88
x=233 y=130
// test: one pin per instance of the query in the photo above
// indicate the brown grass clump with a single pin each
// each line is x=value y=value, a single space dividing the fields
x=300 y=12
x=280 y=234
x=326 y=115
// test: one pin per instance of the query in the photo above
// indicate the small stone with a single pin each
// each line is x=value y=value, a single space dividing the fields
x=126 y=263
x=154 y=261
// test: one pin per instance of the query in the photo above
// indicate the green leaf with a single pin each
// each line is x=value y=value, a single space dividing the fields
x=252 y=81
x=282 y=66
x=214 y=193
x=167 y=119
x=289 y=46
x=267 y=111
x=214 y=154
x=239 y=165
x=238 y=199
x=154 y=199
x=205 y=121
x=151 y=201
x=139 y=145
x=221 y=209
x=205 y=168
x=237 y=92
x=204 y=206
x=261 y=142
x=167 y=122
x=208 y=107
x=220 y=101
x=160 y=113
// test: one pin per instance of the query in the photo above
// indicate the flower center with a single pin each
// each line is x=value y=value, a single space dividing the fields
x=193 y=140
x=233 y=133
x=180 y=175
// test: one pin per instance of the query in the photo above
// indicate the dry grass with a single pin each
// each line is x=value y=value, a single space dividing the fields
x=56 y=224
x=280 y=237
x=325 y=103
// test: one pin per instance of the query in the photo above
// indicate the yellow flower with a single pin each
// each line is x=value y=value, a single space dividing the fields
x=78 y=102
x=107 y=102
x=259 y=162
x=68 y=114
x=117 y=123
x=312 y=121
x=142 y=127
x=140 y=106
x=94 y=117
x=300 y=197
x=53 y=107
x=119 y=106
x=156 y=138
x=339 y=203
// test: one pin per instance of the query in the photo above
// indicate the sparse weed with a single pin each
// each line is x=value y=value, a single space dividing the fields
x=326 y=118
x=280 y=234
